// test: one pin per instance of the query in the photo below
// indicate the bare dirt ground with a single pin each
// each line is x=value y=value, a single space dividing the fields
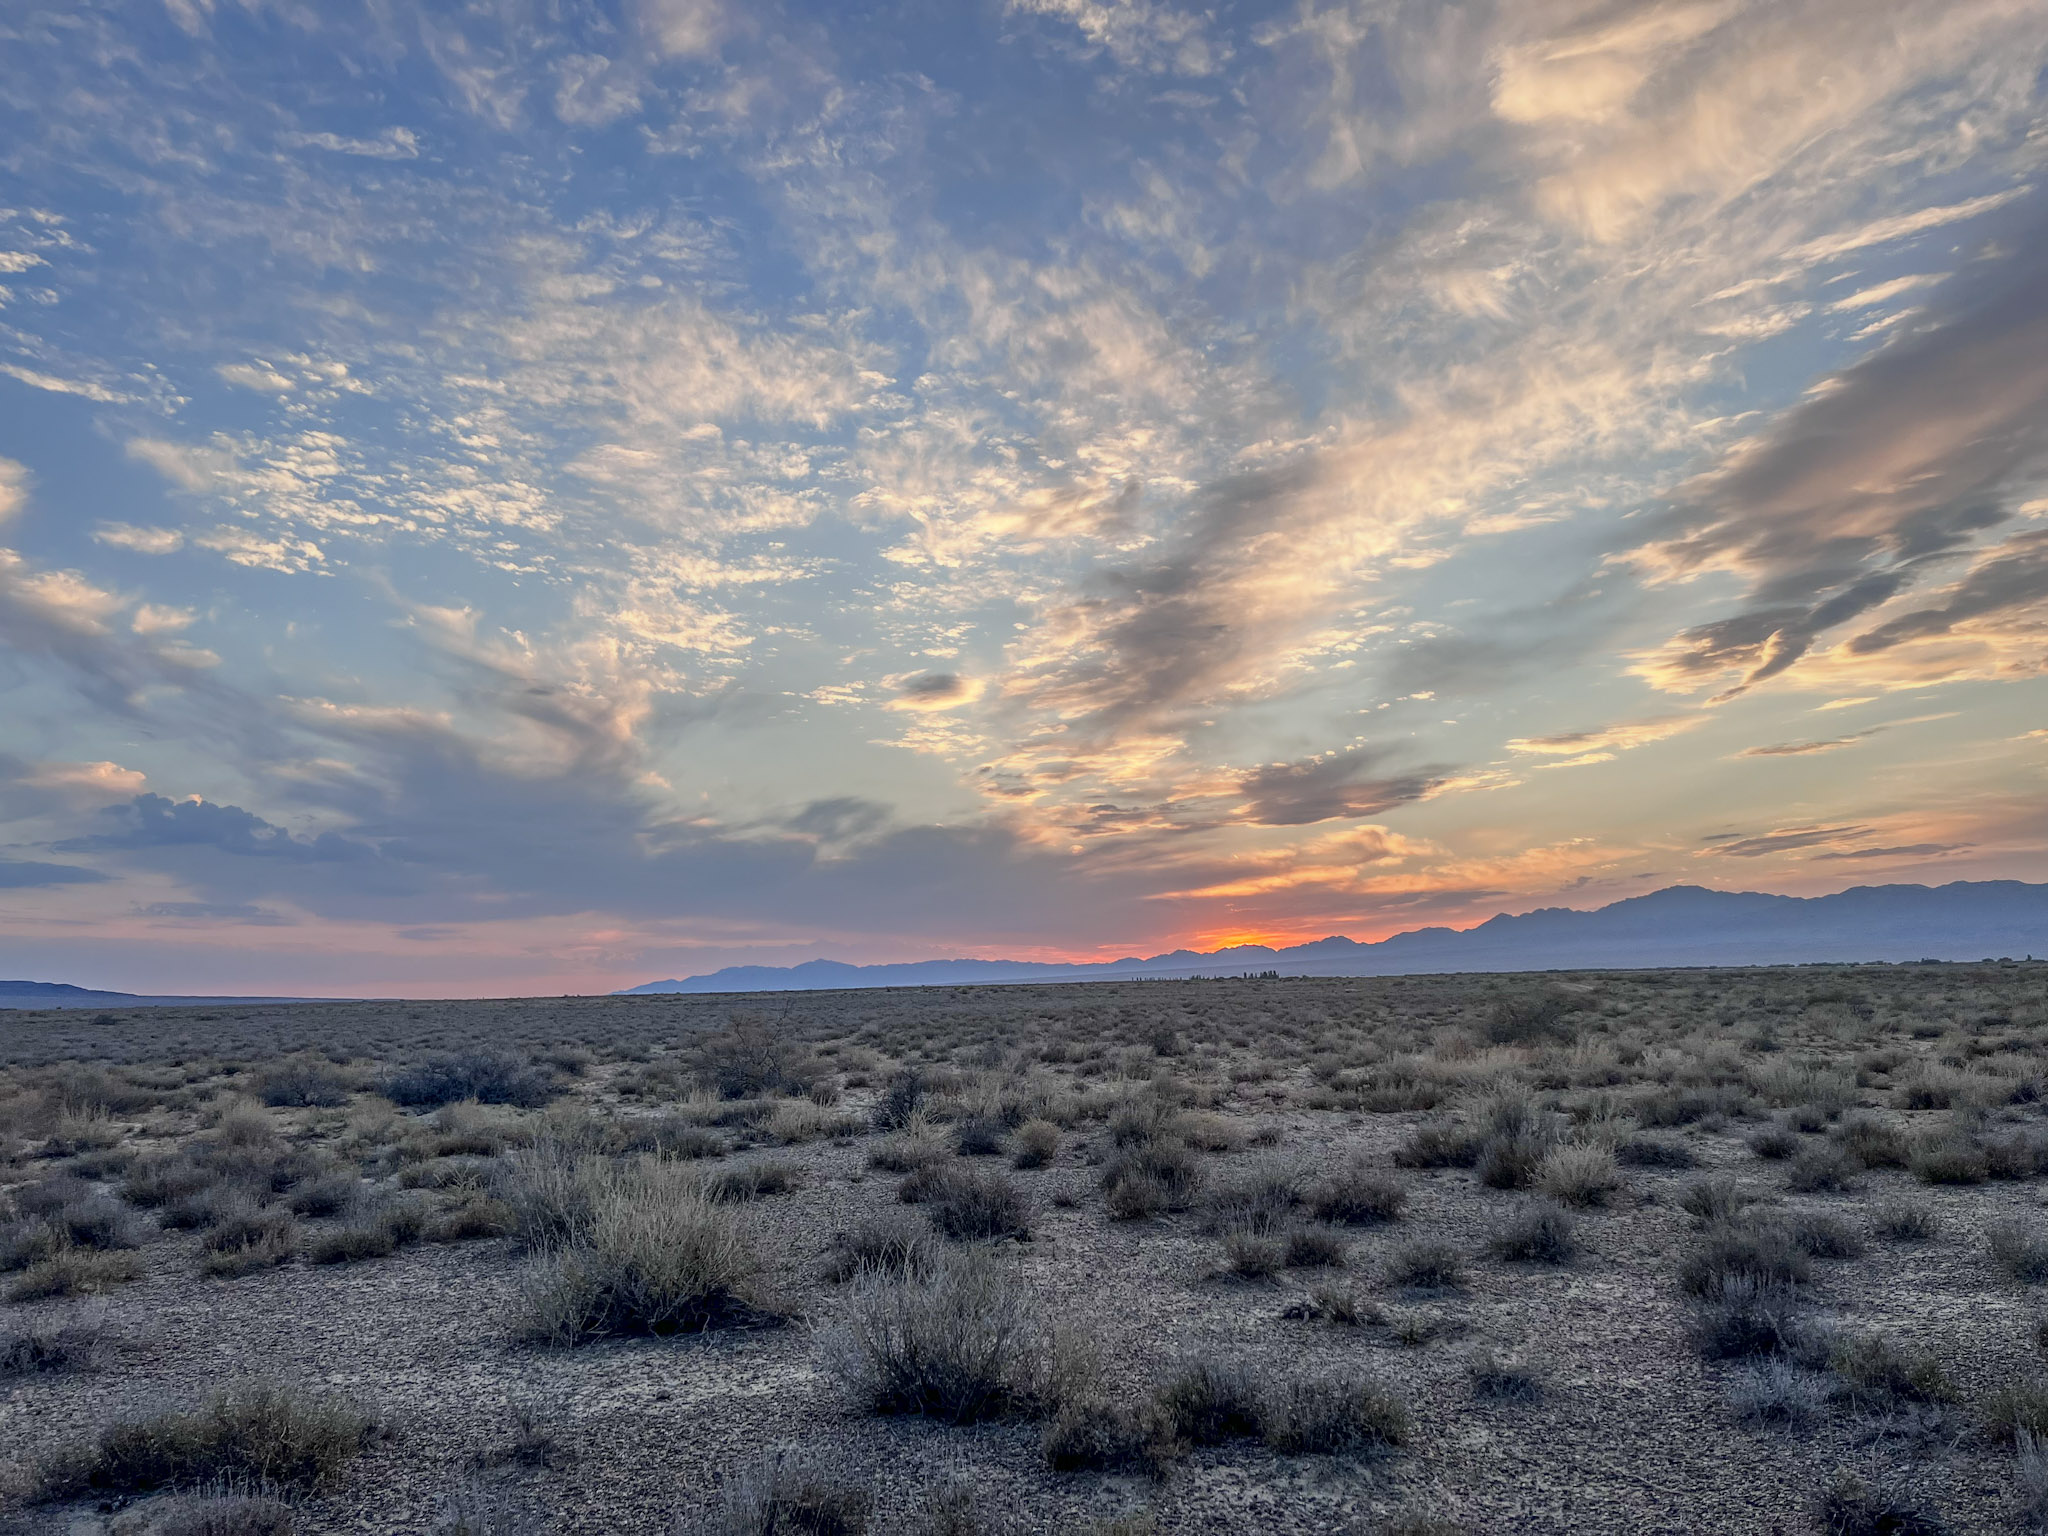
x=1735 y=1251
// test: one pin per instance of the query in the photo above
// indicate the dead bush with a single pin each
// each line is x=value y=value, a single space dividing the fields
x=961 y=1344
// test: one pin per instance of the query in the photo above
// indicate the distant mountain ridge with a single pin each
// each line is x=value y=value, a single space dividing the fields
x=1680 y=925
x=59 y=994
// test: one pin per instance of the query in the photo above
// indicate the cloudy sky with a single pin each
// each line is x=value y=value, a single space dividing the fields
x=541 y=495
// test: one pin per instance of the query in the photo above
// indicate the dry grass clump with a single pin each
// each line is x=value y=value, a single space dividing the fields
x=256 y=1433
x=1149 y=1179
x=1502 y=1378
x=1212 y=1403
x=2016 y=1411
x=1540 y=1233
x=750 y=1181
x=1875 y=1375
x=248 y=1239
x=378 y=1231
x=74 y=1272
x=2018 y=1250
x=1905 y=1221
x=1425 y=1267
x=1358 y=1196
x=974 y=1205
x=962 y=1343
x=1851 y=1507
x=229 y=1514
x=1657 y=1152
x=889 y=1242
x=633 y=1248
x=1329 y=1416
x=1036 y=1144
x=46 y=1348
x=793 y=1492
x=1578 y=1175
x=1748 y=1251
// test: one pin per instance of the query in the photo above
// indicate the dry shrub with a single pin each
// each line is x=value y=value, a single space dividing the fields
x=1426 y=1267
x=1541 y=1233
x=1328 y=1416
x=1872 y=1374
x=1358 y=1196
x=975 y=1205
x=1578 y=1175
x=1209 y=1402
x=74 y=1272
x=791 y=1493
x=248 y=1239
x=1037 y=1143
x=962 y=1344
x=889 y=1242
x=1851 y=1507
x=1150 y=1178
x=227 y=1514
x=641 y=1250
x=261 y=1433
x=2018 y=1250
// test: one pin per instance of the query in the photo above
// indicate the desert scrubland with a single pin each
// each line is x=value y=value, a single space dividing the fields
x=1690 y=1251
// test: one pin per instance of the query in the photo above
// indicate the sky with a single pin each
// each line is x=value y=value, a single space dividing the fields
x=536 y=496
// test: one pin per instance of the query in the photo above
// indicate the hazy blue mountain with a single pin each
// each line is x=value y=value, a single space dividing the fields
x=57 y=994
x=1681 y=925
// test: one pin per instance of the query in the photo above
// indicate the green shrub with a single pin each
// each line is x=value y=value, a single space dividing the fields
x=257 y=1433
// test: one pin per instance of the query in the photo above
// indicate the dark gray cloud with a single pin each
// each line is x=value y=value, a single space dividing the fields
x=1901 y=851
x=1863 y=491
x=1806 y=748
x=1734 y=846
x=28 y=874
x=1339 y=785
x=2014 y=577
x=932 y=687
x=239 y=912
x=152 y=821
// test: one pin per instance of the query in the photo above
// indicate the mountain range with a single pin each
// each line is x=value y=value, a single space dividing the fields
x=1681 y=925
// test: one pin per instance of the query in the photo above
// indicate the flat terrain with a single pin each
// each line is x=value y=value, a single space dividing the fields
x=1690 y=1251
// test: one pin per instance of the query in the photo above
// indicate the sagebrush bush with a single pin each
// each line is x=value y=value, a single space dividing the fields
x=1757 y=1252
x=489 y=1077
x=45 y=1348
x=250 y=1238
x=1149 y=1179
x=960 y=1344
x=302 y=1082
x=1775 y=1391
x=1905 y=1221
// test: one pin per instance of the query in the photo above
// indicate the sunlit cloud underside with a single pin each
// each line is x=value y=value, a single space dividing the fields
x=502 y=498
